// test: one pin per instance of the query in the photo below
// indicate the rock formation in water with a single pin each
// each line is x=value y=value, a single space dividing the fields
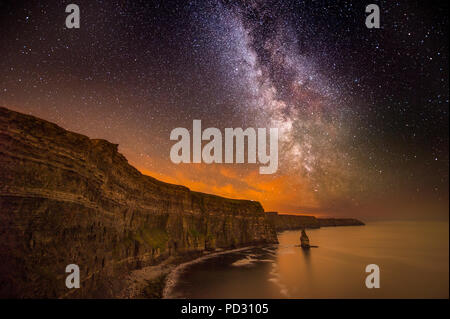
x=67 y=199
x=304 y=240
x=292 y=222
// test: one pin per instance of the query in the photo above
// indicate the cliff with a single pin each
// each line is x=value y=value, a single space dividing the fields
x=292 y=222
x=65 y=198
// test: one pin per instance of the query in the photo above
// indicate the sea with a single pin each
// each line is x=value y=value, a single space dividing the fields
x=412 y=258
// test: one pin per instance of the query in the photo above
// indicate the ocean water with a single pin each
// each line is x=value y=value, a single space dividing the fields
x=413 y=258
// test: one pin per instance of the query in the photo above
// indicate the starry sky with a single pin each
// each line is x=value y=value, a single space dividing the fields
x=362 y=113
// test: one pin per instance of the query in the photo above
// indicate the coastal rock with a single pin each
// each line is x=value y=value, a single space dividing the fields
x=304 y=240
x=65 y=198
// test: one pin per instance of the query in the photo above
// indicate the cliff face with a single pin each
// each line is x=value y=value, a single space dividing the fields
x=65 y=198
x=291 y=222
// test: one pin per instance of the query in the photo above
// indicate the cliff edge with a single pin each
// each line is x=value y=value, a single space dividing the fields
x=67 y=199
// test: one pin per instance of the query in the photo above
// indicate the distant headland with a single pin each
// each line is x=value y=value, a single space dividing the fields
x=292 y=222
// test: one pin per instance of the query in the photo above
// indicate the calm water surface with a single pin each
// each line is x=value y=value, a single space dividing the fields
x=412 y=256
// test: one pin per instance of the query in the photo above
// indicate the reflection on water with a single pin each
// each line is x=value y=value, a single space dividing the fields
x=412 y=256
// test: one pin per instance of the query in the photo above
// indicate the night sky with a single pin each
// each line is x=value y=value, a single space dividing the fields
x=363 y=112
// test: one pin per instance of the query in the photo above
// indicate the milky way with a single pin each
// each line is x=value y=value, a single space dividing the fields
x=283 y=89
x=363 y=114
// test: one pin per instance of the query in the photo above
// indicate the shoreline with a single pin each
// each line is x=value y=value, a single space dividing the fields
x=174 y=274
x=157 y=281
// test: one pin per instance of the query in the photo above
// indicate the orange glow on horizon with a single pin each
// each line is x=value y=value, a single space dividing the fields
x=275 y=193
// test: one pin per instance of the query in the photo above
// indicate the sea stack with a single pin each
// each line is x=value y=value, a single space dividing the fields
x=304 y=240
